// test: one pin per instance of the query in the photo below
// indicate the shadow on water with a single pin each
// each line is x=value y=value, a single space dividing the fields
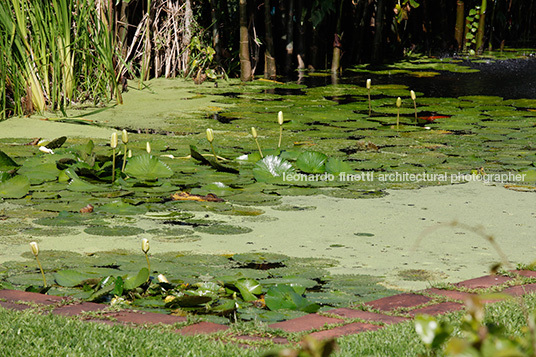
x=512 y=79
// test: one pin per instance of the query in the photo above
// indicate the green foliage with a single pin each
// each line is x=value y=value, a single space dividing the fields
x=53 y=53
x=476 y=338
x=147 y=167
x=289 y=297
x=312 y=162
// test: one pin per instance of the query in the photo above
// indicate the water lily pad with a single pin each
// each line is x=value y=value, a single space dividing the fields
x=120 y=207
x=15 y=187
x=147 y=167
x=223 y=229
x=312 y=162
x=6 y=162
x=121 y=231
x=63 y=219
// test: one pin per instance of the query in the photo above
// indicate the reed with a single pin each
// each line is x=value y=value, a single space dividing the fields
x=54 y=53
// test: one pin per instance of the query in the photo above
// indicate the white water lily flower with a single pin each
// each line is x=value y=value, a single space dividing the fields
x=272 y=162
x=220 y=184
x=242 y=157
x=35 y=248
x=113 y=140
x=46 y=150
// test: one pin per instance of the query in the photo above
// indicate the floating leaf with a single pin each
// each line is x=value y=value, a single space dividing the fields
x=120 y=207
x=56 y=143
x=285 y=297
x=16 y=187
x=147 y=167
x=248 y=288
x=121 y=231
x=312 y=162
x=6 y=163
x=335 y=166
x=132 y=282
x=70 y=278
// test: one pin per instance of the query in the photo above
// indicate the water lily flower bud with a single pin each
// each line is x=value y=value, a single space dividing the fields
x=46 y=150
x=398 y=102
x=148 y=147
x=210 y=135
x=280 y=118
x=145 y=245
x=254 y=132
x=413 y=96
x=369 y=82
x=35 y=248
x=124 y=136
x=129 y=153
x=162 y=279
x=113 y=140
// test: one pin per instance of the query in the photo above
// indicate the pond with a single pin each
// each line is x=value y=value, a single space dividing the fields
x=325 y=210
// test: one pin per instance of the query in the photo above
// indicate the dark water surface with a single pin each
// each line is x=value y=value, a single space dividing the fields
x=510 y=79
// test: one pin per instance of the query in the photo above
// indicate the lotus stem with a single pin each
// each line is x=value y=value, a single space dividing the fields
x=398 y=104
x=113 y=144
x=124 y=138
x=414 y=98
x=280 y=121
x=254 y=133
x=369 y=82
x=35 y=251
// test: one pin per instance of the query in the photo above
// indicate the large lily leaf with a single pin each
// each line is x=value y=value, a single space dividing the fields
x=16 y=187
x=335 y=166
x=147 y=167
x=215 y=164
x=285 y=297
x=70 y=278
x=271 y=169
x=248 y=288
x=132 y=282
x=312 y=162
x=6 y=163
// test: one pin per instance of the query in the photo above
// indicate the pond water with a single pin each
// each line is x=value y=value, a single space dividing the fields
x=482 y=128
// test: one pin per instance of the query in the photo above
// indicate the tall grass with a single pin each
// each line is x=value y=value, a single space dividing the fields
x=53 y=53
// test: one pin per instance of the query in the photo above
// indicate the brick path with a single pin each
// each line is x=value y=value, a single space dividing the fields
x=372 y=315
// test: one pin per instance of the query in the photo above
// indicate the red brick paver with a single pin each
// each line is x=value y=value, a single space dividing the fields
x=305 y=323
x=396 y=301
x=140 y=317
x=366 y=315
x=77 y=309
x=438 y=309
x=202 y=328
x=17 y=295
x=349 y=329
x=484 y=282
x=451 y=294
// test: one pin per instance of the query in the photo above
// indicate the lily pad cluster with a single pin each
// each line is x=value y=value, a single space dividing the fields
x=253 y=286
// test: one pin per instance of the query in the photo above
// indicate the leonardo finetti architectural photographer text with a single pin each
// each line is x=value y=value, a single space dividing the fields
x=369 y=176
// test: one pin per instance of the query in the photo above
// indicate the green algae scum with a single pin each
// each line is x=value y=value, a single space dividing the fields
x=323 y=217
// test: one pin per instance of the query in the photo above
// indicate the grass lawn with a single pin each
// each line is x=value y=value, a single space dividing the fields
x=30 y=334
